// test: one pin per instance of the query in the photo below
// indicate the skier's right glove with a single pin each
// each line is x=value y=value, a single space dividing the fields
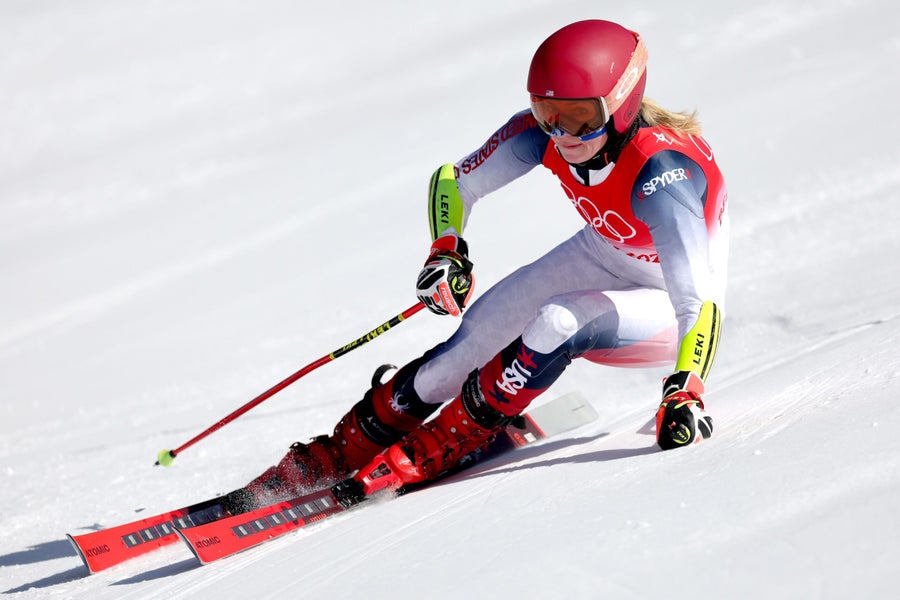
x=681 y=419
x=446 y=281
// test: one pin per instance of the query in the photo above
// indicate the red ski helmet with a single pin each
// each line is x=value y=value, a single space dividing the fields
x=593 y=59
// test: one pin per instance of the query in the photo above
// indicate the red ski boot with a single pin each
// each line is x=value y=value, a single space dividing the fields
x=464 y=425
x=305 y=468
x=381 y=418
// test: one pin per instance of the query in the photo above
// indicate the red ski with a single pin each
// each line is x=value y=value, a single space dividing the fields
x=108 y=547
x=231 y=535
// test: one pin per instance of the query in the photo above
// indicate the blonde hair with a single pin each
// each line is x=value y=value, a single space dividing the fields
x=679 y=122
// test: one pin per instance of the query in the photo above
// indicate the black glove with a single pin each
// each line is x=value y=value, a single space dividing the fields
x=681 y=419
x=446 y=281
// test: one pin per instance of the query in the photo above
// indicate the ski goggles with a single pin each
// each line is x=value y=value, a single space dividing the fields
x=584 y=118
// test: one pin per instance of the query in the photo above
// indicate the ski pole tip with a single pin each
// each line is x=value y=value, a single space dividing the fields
x=165 y=458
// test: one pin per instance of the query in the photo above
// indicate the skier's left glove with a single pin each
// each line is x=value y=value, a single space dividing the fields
x=446 y=282
x=681 y=419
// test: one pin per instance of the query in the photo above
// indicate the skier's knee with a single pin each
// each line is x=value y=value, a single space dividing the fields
x=551 y=328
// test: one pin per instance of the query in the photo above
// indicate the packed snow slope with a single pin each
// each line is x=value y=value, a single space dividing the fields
x=198 y=198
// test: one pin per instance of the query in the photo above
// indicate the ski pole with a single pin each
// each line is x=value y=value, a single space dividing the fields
x=165 y=457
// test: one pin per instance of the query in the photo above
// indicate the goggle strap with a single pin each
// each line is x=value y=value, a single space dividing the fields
x=632 y=74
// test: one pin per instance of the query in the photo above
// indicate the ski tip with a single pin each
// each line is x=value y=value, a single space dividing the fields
x=80 y=553
x=190 y=546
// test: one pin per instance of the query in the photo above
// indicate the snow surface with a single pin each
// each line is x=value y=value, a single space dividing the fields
x=198 y=198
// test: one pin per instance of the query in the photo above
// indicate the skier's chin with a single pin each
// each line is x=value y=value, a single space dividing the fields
x=575 y=151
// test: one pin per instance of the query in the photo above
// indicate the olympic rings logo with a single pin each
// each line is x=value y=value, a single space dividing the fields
x=609 y=223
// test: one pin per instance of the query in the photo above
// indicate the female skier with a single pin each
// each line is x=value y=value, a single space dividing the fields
x=642 y=284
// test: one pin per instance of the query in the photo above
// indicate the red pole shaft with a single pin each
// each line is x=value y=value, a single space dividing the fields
x=387 y=325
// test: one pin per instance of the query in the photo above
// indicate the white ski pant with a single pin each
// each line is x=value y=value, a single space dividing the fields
x=583 y=280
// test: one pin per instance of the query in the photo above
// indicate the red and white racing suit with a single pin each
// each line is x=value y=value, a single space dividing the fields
x=626 y=290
